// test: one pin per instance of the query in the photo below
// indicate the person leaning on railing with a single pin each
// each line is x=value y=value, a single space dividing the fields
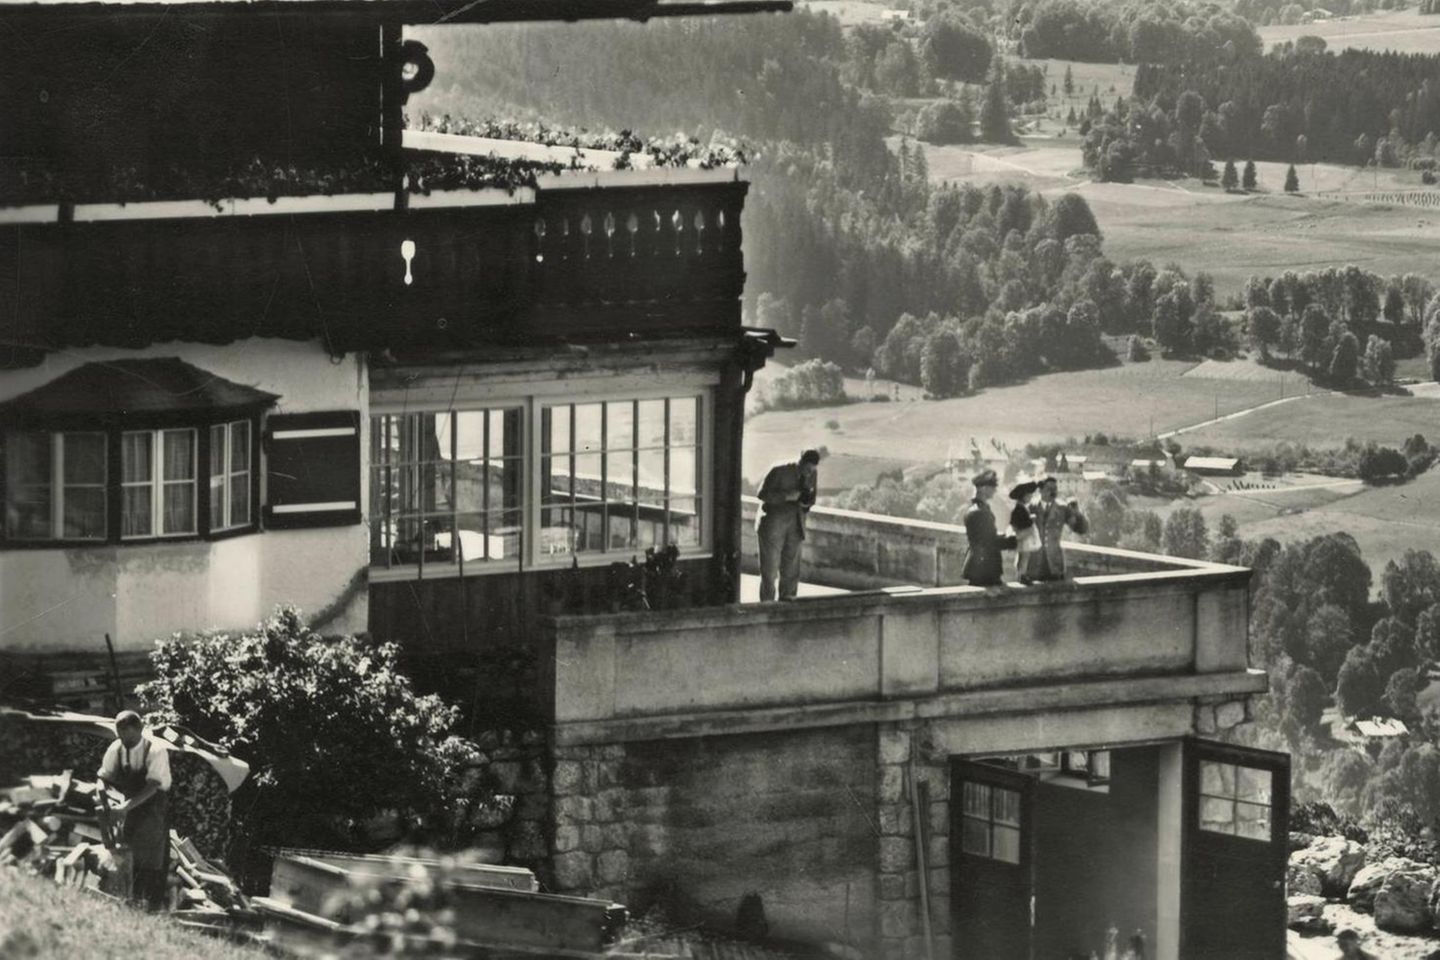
x=786 y=496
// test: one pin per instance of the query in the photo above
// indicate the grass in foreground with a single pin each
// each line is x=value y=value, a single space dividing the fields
x=41 y=920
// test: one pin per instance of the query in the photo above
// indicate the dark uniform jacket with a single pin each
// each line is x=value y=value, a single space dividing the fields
x=983 y=566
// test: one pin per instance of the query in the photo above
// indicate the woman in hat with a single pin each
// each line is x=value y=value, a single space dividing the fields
x=1022 y=525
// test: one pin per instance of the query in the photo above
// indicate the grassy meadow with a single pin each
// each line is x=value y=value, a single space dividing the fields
x=1404 y=31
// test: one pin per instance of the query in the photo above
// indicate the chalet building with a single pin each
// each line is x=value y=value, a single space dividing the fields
x=450 y=412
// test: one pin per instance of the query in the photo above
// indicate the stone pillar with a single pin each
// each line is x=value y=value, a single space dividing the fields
x=904 y=763
x=590 y=836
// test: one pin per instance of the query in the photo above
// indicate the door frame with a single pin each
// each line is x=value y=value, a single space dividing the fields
x=961 y=771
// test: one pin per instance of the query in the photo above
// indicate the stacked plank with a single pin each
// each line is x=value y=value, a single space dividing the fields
x=60 y=827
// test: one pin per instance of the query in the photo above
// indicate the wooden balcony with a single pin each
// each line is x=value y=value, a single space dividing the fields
x=1130 y=629
x=609 y=255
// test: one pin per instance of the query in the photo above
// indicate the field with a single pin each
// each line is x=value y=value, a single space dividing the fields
x=1324 y=420
x=1404 y=31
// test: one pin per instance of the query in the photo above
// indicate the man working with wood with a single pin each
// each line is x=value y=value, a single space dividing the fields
x=140 y=769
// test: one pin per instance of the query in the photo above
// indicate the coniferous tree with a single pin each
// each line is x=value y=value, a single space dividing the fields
x=1247 y=180
x=1229 y=179
x=995 y=112
x=1292 y=182
x=1069 y=81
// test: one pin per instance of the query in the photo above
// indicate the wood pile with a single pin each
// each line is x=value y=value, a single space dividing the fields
x=60 y=827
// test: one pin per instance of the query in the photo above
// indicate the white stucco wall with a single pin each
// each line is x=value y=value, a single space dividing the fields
x=68 y=599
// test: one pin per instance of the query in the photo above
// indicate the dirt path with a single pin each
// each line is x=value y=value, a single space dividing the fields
x=1236 y=415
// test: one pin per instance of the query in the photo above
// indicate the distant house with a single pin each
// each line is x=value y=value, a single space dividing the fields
x=1215 y=466
x=894 y=15
x=1378 y=728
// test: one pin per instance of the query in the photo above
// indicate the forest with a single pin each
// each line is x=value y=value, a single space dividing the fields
x=1142 y=31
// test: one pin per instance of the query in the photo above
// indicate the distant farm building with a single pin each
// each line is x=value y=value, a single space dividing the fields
x=1215 y=466
x=894 y=14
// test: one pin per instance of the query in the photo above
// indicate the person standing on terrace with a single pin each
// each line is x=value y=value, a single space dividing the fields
x=1051 y=519
x=786 y=496
x=983 y=567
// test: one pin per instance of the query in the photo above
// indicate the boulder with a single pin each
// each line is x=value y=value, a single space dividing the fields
x=1302 y=908
x=1369 y=879
x=1335 y=860
x=1301 y=879
x=1299 y=841
x=1402 y=904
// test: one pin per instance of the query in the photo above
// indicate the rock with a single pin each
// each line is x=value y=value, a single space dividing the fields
x=1314 y=927
x=1302 y=907
x=1369 y=879
x=1299 y=841
x=1403 y=903
x=1335 y=860
x=1301 y=879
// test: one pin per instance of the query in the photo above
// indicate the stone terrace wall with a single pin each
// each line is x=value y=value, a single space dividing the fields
x=904 y=763
x=699 y=823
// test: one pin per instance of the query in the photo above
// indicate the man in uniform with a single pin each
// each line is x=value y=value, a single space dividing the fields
x=786 y=496
x=983 y=567
x=140 y=769
x=1051 y=519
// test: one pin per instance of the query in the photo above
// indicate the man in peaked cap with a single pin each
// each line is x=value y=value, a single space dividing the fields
x=983 y=567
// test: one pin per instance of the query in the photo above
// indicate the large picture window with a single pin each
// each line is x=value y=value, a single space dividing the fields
x=620 y=476
x=446 y=487
x=55 y=486
x=536 y=482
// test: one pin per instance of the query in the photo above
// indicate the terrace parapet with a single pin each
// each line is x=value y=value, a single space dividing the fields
x=1129 y=629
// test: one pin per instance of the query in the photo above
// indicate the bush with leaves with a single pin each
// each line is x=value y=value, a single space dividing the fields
x=334 y=733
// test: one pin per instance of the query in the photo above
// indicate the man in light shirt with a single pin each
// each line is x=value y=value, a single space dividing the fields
x=140 y=769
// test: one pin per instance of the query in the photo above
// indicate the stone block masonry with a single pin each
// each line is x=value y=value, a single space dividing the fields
x=905 y=762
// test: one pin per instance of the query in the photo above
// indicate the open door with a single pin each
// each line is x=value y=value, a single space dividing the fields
x=991 y=838
x=1234 y=852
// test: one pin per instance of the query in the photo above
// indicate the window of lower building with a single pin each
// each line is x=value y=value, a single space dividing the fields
x=1235 y=800
x=55 y=486
x=990 y=822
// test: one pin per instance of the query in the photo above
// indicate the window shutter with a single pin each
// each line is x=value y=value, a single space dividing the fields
x=312 y=469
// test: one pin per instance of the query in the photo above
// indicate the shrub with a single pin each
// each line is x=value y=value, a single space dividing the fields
x=333 y=731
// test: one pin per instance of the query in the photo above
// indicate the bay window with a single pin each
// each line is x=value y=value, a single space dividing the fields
x=55 y=486
x=536 y=482
x=230 y=475
x=157 y=469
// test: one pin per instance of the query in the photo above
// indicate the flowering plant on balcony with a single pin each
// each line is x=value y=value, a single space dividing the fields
x=677 y=151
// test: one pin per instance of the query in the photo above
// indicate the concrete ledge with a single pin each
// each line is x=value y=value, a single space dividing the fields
x=1008 y=701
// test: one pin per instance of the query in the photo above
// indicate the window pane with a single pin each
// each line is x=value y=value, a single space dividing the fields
x=239 y=446
x=557 y=531
x=685 y=523
x=1100 y=764
x=504 y=433
x=587 y=426
x=555 y=429
x=179 y=454
x=974 y=836
x=652 y=477
x=587 y=477
x=1007 y=806
x=622 y=526
x=651 y=431
x=1217 y=779
x=1007 y=844
x=976 y=800
x=27 y=486
x=85 y=458
x=470 y=435
x=179 y=508
x=239 y=499
x=438 y=538
x=620 y=433
x=135 y=514
x=1252 y=820
x=135 y=457
x=1217 y=815
x=217 y=500
x=620 y=475
x=1252 y=784
x=85 y=513
x=684 y=467
x=555 y=479
x=684 y=421
x=217 y=450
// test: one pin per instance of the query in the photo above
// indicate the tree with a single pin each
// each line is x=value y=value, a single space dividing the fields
x=1344 y=361
x=1328 y=638
x=1229 y=179
x=1185 y=534
x=1227 y=546
x=1071 y=216
x=1314 y=331
x=1427 y=634
x=1411 y=586
x=1106 y=509
x=897 y=71
x=995 y=109
x=1292 y=182
x=333 y=731
x=1400 y=693
x=1172 y=321
x=1379 y=362
x=1262 y=325
x=1069 y=85
x=1377 y=462
x=1305 y=698
x=947 y=122
x=1247 y=179
x=944 y=367
x=1359 y=686
x=954 y=50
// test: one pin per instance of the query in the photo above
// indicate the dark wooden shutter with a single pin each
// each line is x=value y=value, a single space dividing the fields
x=312 y=469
